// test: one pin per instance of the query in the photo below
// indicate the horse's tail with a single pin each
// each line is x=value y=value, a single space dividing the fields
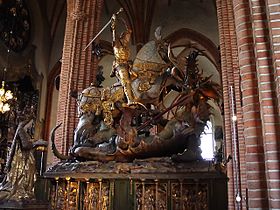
x=54 y=149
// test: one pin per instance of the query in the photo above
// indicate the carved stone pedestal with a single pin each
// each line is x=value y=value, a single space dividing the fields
x=30 y=205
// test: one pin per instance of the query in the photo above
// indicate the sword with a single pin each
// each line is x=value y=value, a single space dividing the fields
x=104 y=27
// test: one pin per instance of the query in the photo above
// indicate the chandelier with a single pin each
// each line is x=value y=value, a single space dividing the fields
x=5 y=95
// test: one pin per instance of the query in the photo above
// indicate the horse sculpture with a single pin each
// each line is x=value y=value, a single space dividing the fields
x=128 y=121
x=108 y=129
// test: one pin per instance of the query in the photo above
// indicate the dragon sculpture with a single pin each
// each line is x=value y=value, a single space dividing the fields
x=109 y=130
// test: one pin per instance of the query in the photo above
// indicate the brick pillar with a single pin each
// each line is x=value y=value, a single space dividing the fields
x=273 y=155
x=266 y=26
x=77 y=70
x=235 y=145
x=273 y=15
x=267 y=89
x=257 y=25
x=256 y=184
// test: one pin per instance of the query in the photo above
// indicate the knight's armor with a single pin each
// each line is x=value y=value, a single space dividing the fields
x=121 y=64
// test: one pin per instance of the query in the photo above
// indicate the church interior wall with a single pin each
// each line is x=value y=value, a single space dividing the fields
x=48 y=25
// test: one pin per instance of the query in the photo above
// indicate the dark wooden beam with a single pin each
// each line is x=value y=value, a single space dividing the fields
x=169 y=2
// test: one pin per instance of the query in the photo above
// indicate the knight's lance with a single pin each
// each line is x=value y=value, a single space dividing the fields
x=104 y=27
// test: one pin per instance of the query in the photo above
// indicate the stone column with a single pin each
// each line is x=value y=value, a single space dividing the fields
x=78 y=66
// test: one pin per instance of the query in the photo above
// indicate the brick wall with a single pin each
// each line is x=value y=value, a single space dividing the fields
x=234 y=140
x=256 y=30
x=77 y=70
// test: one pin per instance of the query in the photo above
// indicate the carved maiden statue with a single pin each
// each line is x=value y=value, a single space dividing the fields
x=18 y=184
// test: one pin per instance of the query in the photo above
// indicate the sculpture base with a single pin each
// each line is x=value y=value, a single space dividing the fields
x=155 y=183
x=30 y=205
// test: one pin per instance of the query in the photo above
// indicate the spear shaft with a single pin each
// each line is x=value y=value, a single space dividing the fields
x=104 y=27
